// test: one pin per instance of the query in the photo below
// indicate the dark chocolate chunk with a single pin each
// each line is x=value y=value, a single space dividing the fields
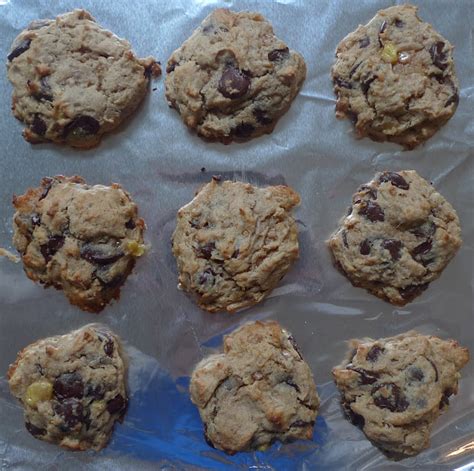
x=34 y=430
x=95 y=391
x=46 y=183
x=233 y=83
x=109 y=347
x=412 y=291
x=342 y=83
x=235 y=253
x=38 y=126
x=368 y=191
x=415 y=373
x=365 y=377
x=438 y=56
x=82 y=126
x=170 y=67
x=425 y=230
x=51 y=247
x=364 y=42
x=351 y=73
x=389 y=396
x=20 y=49
x=395 y=179
x=68 y=385
x=365 y=84
x=206 y=250
x=356 y=419
x=101 y=254
x=344 y=239
x=116 y=404
x=278 y=54
x=45 y=92
x=291 y=383
x=207 y=277
x=445 y=398
x=243 y=130
x=393 y=246
x=261 y=116
x=422 y=249
x=108 y=278
x=71 y=410
x=130 y=224
x=453 y=99
x=365 y=247
x=374 y=353
x=399 y=23
x=372 y=211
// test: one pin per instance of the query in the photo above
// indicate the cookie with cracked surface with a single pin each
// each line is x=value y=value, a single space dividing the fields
x=395 y=388
x=394 y=78
x=72 y=387
x=234 y=242
x=79 y=238
x=73 y=81
x=233 y=78
x=398 y=237
x=258 y=391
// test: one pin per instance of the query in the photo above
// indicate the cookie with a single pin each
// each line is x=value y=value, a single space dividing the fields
x=234 y=242
x=394 y=78
x=395 y=388
x=398 y=237
x=233 y=78
x=73 y=81
x=72 y=387
x=78 y=238
x=258 y=391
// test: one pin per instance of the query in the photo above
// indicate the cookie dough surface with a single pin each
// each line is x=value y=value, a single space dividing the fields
x=234 y=242
x=258 y=391
x=395 y=388
x=398 y=237
x=72 y=387
x=79 y=238
x=233 y=78
x=73 y=81
x=394 y=78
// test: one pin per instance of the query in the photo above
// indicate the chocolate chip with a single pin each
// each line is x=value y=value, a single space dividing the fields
x=278 y=54
x=82 y=126
x=233 y=83
x=207 y=277
x=412 y=291
x=372 y=211
x=95 y=391
x=45 y=92
x=68 y=385
x=35 y=219
x=261 y=116
x=365 y=247
x=438 y=56
x=206 y=250
x=374 y=353
x=365 y=377
x=425 y=230
x=365 y=84
x=368 y=191
x=389 y=396
x=399 y=23
x=243 y=130
x=38 y=126
x=51 y=247
x=116 y=404
x=34 y=430
x=393 y=246
x=20 y=49
x=364 y=42
x=109 y=347
x=351 y=73
x=416 y=374
x=445 y=398
x=422 y=249
x=71 y=411
x=453 y=99
x=170 y=67
x=291 y=383
x=130 y=224
x=356 y=419
x=101 y=254
x=395 y=179
x=342 y=83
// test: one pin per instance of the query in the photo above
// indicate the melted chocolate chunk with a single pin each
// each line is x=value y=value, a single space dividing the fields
x=101 y=254
x=71 y=410
x=130 y=224
x=438 y=56
x=422 y=249
x=19 y=50
x=372 y=211
x=354 y=418
x=374 y=353
x=425 y=230
x=116 y=404
x=278 y=54
x=412 y=291
x=389 y=396
x=365 y=246
x=34 y=430
x=233 y=83
x=395 y=179
x=68 y=385
x=51 y=247
x=365 y=377
x=261 y=116
x=399 y=23
x=38 y=126
x=206 y=250
x=342 y=83
x=45 y=92
x=243 y=130
x=364 y=42
x=82 y=126
x=393 y=246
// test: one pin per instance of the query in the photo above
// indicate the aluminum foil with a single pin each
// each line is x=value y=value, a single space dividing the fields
x=162 y=164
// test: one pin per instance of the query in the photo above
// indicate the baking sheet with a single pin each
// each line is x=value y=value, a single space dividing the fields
x=159 y=162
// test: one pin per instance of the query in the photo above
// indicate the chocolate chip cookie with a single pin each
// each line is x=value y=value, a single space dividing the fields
x=394 y=78
x=234 y=242
x=79 y=238
x=72 y=387
x=233 y=78
x=73 y=81
x=395 y=388
x=258 y=391
x=398 y=236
